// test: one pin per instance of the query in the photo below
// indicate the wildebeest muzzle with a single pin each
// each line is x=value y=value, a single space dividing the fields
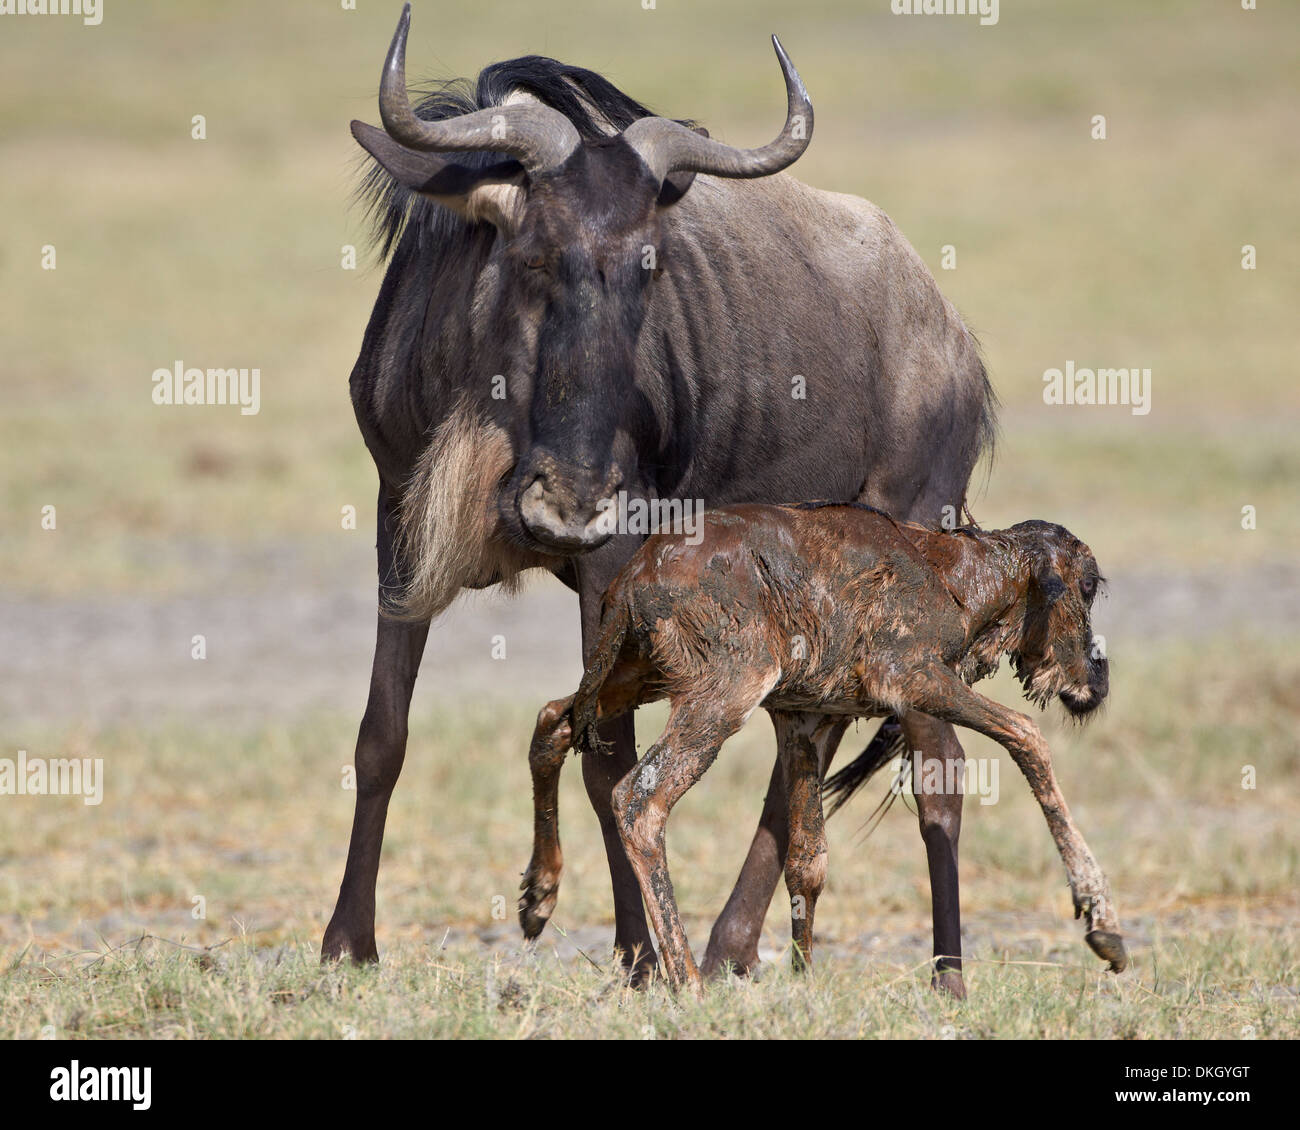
x=566 y=508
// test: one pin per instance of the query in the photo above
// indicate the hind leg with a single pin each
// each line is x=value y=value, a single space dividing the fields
x=805 y=865
x=733 y=942
x=939 y=814
x=552 y=739
x=643 y=799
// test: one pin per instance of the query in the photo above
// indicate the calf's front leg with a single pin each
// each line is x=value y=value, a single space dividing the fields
x=947 y=697
x=602 y=771
x=552 y=739
x=643 y=799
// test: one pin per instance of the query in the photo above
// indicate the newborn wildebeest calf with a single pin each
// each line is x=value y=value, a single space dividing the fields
x=835 y=610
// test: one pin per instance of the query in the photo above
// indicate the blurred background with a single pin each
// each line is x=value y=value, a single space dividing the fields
x=223 y=775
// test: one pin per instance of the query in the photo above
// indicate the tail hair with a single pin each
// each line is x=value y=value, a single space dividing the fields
x=885 y=745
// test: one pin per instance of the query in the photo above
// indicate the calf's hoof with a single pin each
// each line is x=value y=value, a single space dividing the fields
x=536 y=905
x=1108 y=947
x=688 y=984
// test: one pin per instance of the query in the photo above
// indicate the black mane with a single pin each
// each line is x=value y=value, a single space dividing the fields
x=393 y=209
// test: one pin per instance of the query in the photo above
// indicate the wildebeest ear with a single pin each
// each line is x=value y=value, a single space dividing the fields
x=676 y=185
x=476 y=194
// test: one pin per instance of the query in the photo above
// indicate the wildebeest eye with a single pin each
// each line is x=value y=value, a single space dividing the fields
x=535 y=262
x=1088 y=586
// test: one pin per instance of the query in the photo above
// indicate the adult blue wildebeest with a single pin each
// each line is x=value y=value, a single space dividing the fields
x=583 y=298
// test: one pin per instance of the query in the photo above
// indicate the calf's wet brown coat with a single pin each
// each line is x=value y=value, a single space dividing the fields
x=822 y=613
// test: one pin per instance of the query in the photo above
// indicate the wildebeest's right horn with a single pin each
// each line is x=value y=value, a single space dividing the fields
x=537 y=136
x=668 y=147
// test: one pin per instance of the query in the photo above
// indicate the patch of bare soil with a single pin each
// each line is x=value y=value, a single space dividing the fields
x=282 y=637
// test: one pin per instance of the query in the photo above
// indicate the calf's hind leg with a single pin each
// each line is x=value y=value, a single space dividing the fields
x=804 y=737
x=552 y=739
x=733 y=941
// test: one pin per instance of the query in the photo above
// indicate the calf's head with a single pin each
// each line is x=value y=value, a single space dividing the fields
x=1056 y=653
x=579 y=244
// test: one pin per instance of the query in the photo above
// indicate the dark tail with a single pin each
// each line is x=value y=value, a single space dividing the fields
x=881 y=750
x=613 y=628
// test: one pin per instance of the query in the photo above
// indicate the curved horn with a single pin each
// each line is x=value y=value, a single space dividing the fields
x=667 y=147
x=537 y=136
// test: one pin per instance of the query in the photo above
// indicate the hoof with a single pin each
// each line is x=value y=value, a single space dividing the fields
x=730 y=951
x=537 y=903
x=1108 y=947
x=338 y=946
x=949 y=981
x=639 y=972
x=717 y=969
x=687 y=984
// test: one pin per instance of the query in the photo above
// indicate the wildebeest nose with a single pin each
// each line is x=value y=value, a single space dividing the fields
x=571 y=513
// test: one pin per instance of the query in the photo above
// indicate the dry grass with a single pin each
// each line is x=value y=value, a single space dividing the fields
x=1204 y=872
x=227 y=252
x=1220 y=987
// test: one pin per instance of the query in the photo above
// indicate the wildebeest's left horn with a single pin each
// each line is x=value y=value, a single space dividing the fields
x=668 y=147
x=537 y=136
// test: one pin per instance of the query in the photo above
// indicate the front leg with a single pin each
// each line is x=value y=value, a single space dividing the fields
x=552 y=739
x=647 y=794
x=947 y=697
x=381 y=749
x=602 y=771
